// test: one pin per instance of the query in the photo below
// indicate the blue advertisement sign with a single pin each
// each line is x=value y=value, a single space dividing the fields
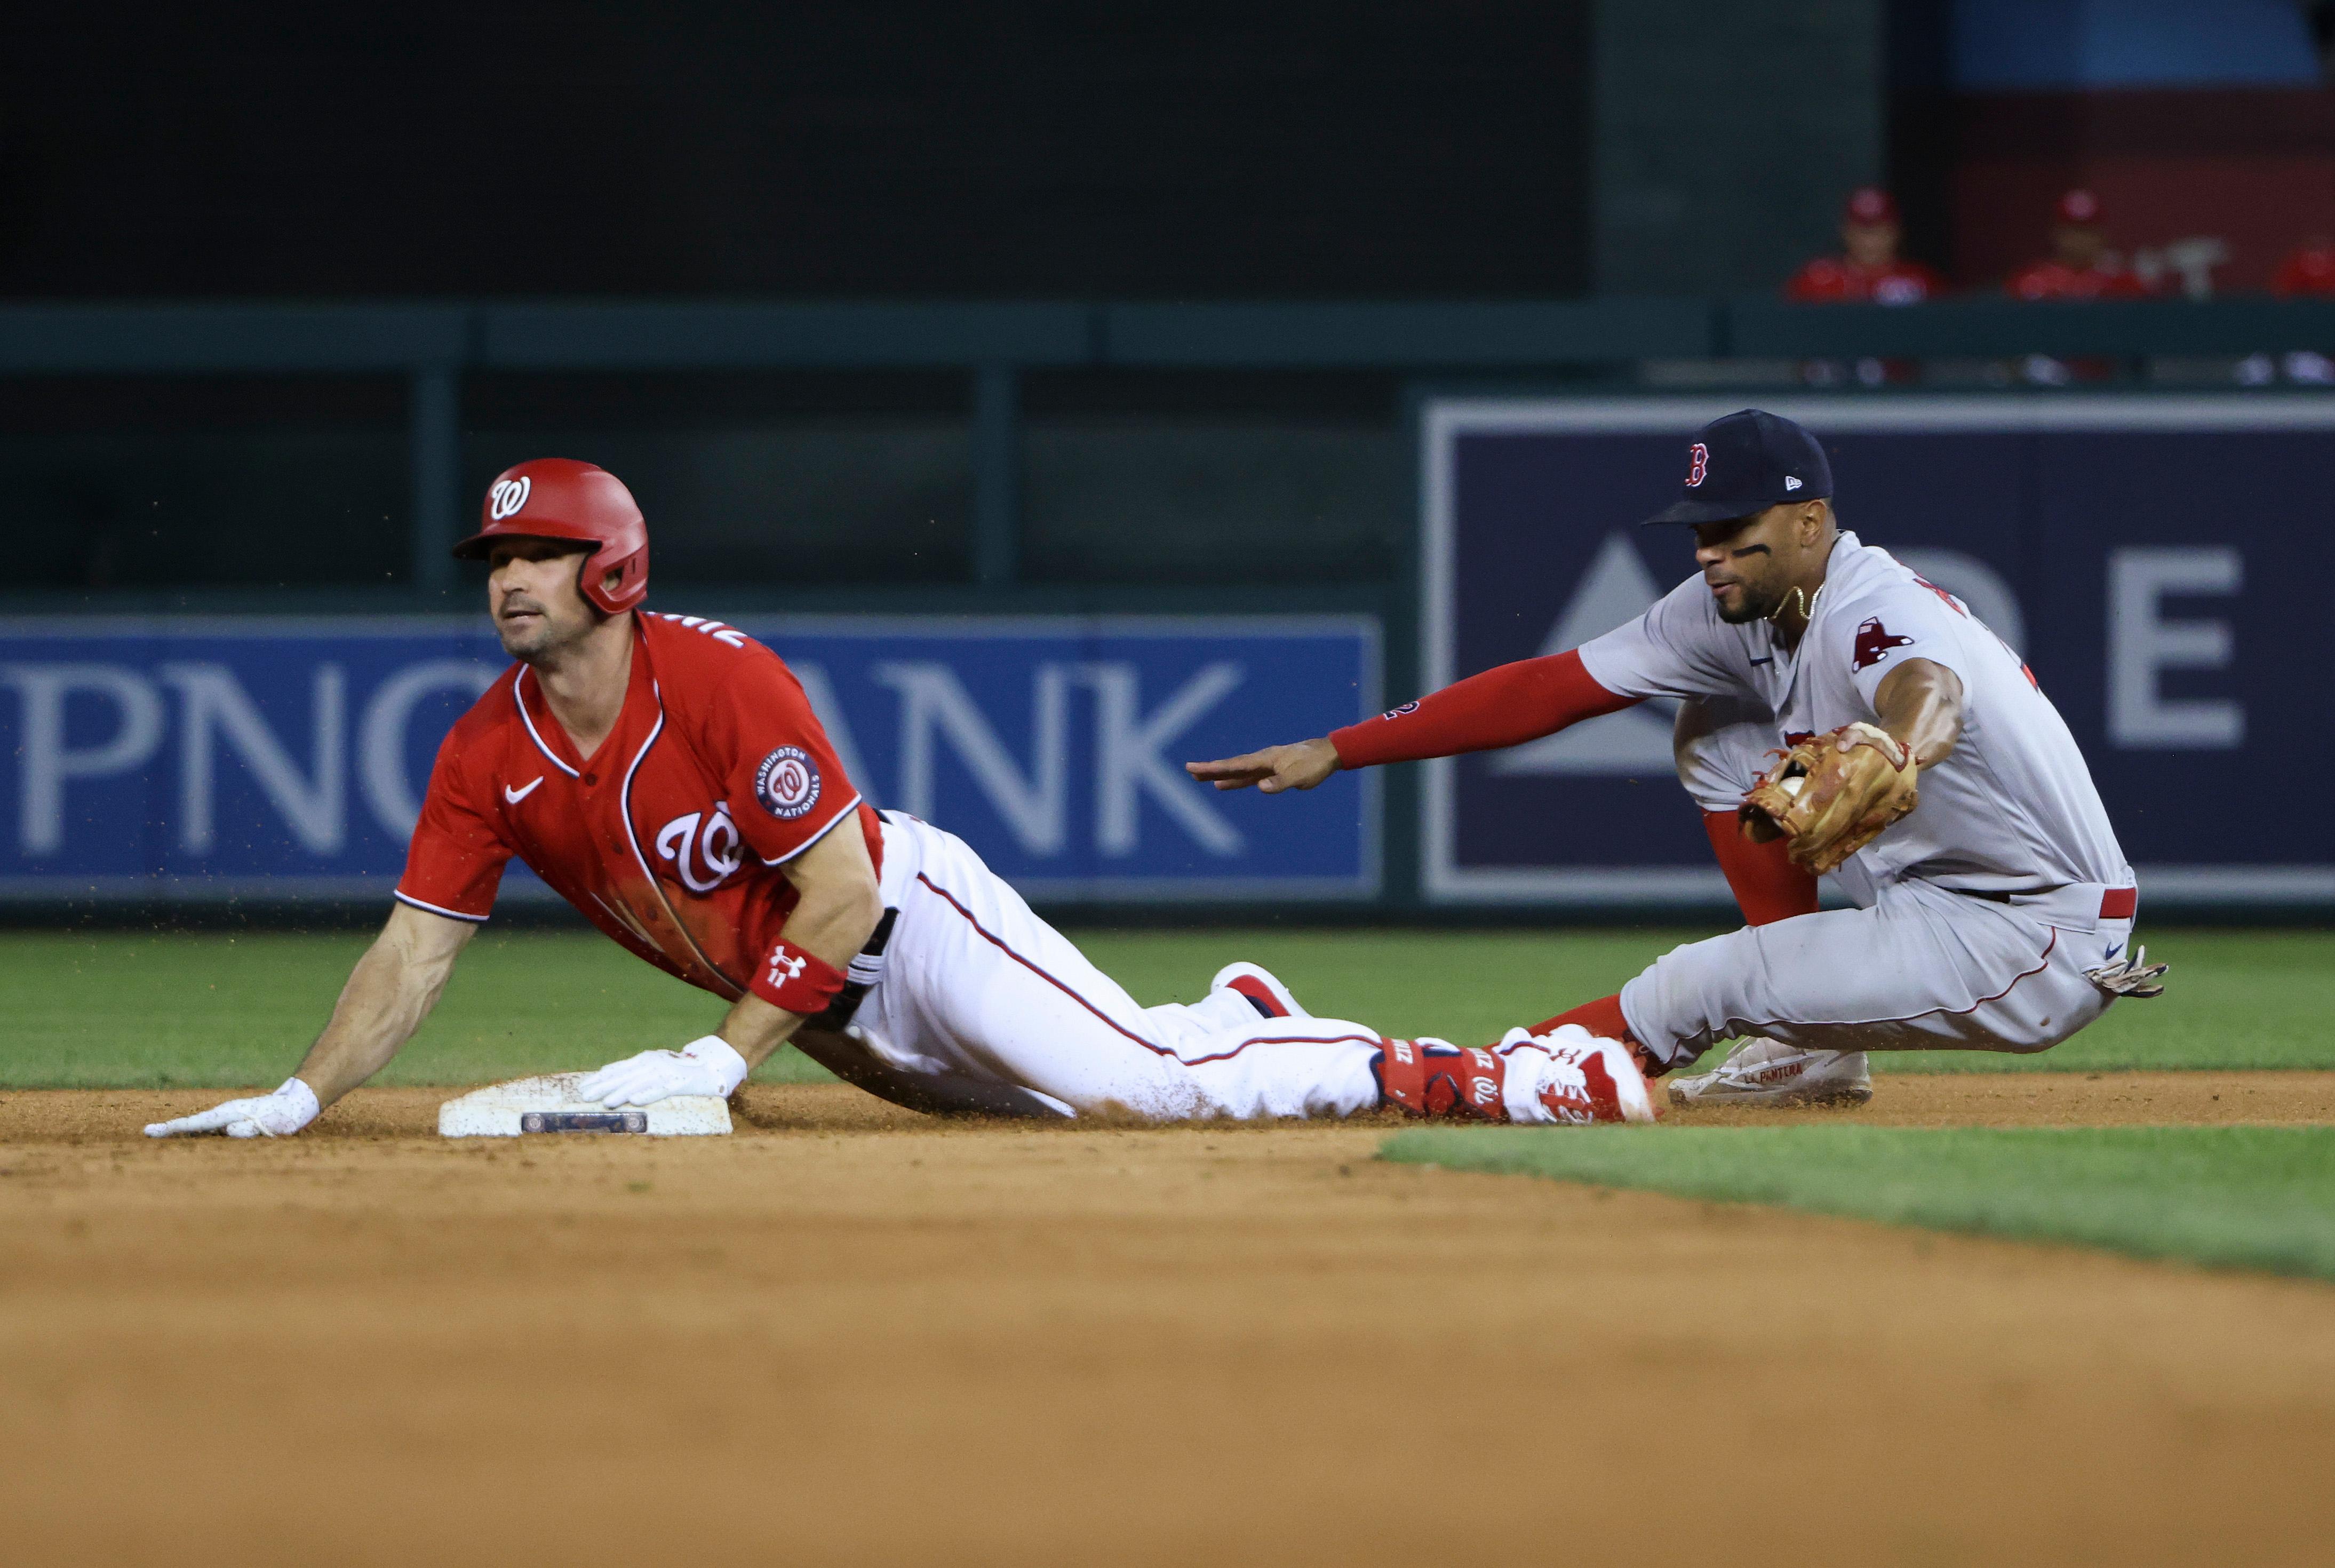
x=2159 y=561
x=208 y=758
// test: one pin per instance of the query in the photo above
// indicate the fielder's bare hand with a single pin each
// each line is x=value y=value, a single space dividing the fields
x=1276 y=768
x=278 y=1114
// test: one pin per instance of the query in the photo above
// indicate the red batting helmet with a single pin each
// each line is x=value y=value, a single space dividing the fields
x=561 y=498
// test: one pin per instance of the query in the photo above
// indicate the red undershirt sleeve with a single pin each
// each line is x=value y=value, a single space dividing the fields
x=1505 y=706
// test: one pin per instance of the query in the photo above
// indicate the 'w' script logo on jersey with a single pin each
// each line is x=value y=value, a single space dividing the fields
x=704 y=858
x=1873 y=642
x=1697 y=465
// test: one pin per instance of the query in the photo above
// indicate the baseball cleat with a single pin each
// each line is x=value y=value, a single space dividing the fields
x=1567 y=1075
x=1585 y=1079
x=1769 y=1072
x=1260 y=989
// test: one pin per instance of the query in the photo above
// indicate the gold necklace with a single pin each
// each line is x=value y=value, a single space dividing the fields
x=1807 y=603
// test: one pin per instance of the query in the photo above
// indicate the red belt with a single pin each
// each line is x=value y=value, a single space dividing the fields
x=2119 y=903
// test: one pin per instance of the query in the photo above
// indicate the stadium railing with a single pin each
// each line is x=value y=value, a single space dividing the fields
x=435 y=345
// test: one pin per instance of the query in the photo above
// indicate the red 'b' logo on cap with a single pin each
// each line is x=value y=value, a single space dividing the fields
x=1698 y=464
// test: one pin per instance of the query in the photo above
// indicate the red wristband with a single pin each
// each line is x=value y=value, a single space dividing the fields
x=798 y=981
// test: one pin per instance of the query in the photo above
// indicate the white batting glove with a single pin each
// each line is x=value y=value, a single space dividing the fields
x=278 y=1114
x=706 y=1066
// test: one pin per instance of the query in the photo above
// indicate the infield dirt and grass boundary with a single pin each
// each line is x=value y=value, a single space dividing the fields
x=847 y=1334
x=2258 y=1198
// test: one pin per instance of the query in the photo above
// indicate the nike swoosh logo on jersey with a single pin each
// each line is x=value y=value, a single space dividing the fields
x=515 y=795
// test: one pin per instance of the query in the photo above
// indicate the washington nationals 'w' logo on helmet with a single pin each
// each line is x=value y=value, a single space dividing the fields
x=508 y=496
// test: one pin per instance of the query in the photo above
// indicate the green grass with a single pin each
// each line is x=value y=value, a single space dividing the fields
x=135 y=1010
x=164 y=1010
x=2235 y=999
x=2228 y=1196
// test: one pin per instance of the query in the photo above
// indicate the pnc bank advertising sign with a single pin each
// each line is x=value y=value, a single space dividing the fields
x=2162 y=563
x=205 y=759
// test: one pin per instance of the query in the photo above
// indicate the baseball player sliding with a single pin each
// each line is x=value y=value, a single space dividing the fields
x=1840 y=716
x=666 y=775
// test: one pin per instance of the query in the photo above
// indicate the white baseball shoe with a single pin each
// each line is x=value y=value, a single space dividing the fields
x=1769 y=1072
x=1260 y=988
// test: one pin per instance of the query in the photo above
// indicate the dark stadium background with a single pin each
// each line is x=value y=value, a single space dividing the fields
x=1630 y=182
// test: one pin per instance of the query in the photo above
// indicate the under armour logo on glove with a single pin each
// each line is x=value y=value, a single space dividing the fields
x=785 y=965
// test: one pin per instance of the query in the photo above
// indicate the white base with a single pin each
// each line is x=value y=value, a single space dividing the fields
x=501 y=1110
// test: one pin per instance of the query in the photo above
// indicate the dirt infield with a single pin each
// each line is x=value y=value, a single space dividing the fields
x=850 y=1335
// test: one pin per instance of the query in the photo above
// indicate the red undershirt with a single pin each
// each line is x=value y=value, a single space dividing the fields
x=1505 y=706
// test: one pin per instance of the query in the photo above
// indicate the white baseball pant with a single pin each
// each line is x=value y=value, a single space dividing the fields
x=984 y=1007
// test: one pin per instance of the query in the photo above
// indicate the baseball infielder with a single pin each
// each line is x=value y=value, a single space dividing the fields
x=666 y=775
x=1921 y=765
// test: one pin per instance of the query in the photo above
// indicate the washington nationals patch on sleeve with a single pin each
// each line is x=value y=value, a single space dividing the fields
x=787 y=783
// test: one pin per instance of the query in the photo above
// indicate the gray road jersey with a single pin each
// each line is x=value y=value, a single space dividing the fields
x=2014 y=808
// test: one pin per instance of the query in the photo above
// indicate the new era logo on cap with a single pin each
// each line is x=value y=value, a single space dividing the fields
x=1791 y=482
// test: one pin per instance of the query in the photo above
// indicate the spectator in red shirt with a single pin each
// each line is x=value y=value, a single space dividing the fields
x=1871 y=270
x=2309 y=269
x=2082 y=266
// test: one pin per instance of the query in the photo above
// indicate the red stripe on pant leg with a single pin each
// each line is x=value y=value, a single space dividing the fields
x=1289 y=1040
x=1748 y=1025
x=998 y=942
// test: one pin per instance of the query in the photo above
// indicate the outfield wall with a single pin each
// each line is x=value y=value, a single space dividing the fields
x=2160 y=562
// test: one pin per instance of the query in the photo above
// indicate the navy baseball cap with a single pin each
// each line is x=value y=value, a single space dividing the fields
x=1746 y=463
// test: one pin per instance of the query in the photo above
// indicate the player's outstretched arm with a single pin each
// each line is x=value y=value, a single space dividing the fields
x=392 y=989
x=838 y=907
x=1300 y=765
x=1507 y=706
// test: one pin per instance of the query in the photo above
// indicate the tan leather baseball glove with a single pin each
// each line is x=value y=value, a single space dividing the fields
x=1831 y=794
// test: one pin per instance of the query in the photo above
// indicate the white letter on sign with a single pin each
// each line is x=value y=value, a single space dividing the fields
x=2142 y=643
x=932 y=699
x=48 y=763
x=380 y=738
x=1128 y=759
x=217 y=701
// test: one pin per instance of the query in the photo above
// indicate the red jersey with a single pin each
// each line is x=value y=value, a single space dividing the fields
x=2057 y=280
x=670 y=837
x=1836 y=280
